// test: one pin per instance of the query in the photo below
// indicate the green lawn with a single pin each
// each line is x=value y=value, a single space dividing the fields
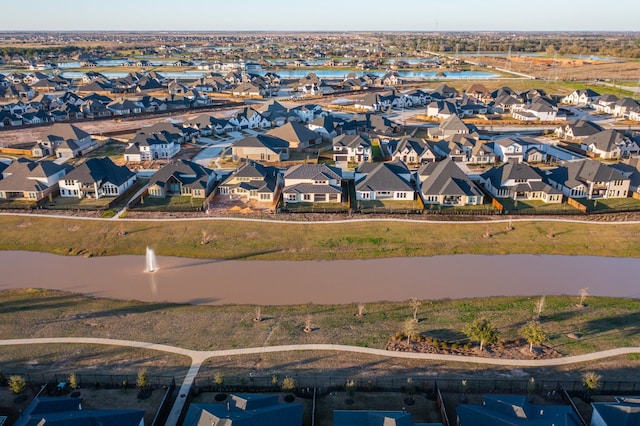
x=611 y=204
x=536 y=206
x=169 y=204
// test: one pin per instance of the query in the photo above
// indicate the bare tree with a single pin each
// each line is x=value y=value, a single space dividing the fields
x=539 y=306
x=308 y=325
x=360 y=310
x=415 y=304
x=584 y=292
x=206 y=238
x=258 y=317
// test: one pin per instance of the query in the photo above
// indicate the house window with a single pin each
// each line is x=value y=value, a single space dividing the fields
x=364 y=195
x=291 y=197
x=306 y=197
x=265 y=197
x=401 y=195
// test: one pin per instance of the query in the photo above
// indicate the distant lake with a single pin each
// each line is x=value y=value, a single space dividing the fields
x=211 y=281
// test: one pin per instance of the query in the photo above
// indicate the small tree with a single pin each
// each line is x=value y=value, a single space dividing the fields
x=410 y=329
x=584 y=292
x=534 y=333
x=73 y=381
x=288 y=384
x=463 y=385
x=591 y=381
x=274 y=380
x=142 y=381
x=17 y=384
x=360 y=310
x=415 y=304
x=258 y=317
x=531 y=386
x=350 y=386
x=482 y=331
x=218 y=379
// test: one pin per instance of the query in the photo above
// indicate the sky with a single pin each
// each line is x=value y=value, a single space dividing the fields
x=321 y=15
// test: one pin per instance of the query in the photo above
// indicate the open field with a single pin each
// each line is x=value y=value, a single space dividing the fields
x=604 y=324
x=292 y=241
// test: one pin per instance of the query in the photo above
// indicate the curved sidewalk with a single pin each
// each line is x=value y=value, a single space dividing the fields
x=199 y=357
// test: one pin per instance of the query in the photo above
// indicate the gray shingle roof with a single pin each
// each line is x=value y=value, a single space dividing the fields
x=446 y=178
x=294 y=132
x=313 y=172
x=100 y=170
x=383 y=177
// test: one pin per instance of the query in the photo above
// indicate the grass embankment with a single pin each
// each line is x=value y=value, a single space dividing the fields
x=275 y=241
x=604 y=323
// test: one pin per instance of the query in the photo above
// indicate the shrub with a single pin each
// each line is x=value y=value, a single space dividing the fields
x=73 y=381
x=288 y=384
x=17 y=384
x=218 y=379
x=142 y=381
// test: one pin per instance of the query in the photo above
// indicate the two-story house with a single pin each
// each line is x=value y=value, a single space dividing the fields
x=253 y=181
x=351 y=149
x=589 y=179
x=519 y=181
x=97 y=178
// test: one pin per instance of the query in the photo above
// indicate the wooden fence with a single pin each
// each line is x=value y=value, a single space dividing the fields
x=575 y=203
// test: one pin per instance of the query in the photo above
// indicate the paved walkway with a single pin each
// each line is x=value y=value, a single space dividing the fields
x=330 y=222
x=199 y=357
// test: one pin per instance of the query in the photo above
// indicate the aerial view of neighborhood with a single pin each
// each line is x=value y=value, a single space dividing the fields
x=343 y=214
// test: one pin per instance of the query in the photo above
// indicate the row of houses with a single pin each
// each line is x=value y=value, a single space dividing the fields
x=33 y=181
x=439 y=183
x=624 y=107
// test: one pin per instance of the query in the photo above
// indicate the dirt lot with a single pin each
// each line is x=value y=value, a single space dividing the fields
x=566 y=69
x=225 y=203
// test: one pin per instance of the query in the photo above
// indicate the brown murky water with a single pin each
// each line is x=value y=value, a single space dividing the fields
x=199 y=281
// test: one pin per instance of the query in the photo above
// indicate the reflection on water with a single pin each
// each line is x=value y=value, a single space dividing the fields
x=200 y=281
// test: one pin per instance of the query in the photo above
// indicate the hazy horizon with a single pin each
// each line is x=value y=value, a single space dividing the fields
x=327 y=16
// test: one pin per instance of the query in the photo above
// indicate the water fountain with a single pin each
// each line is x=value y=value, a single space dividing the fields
x=151 y=264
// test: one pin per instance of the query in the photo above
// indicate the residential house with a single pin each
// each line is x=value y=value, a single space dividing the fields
x=445 y=91
x=384 y=181
x=182 y=178
x=479 y=92
x=124 y=107
x=375 y=418
x=371 y=124
x=249 y=118
x=589 y=179
x=444 y=183
x=351 y=149
x=69 y=411
x=260 y=148
x=453 y=126
x=249 y=89
x=146 y=147
x=625 y=106
x=327 y=126
x=540 y=109
x=605 y=104
x=66 y=141
x=625 y=411
x=505 y=102
x=30 y=180
x=581 y=97
x=253 y=181
x=578 y=130
x=97 y=178
x=609 y=144
x=455 y=147
x=298 y=135
x=515 y=148
x=245 y=410
x=312 y=183
x=514 y=410
x=411 y=151
x=519 y=181
x=630 y=168
x=208 y=125
x=442 y=109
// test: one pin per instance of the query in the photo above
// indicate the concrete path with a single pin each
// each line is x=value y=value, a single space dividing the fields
x=332 y=222
x=124 y=209
x=199 y=357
